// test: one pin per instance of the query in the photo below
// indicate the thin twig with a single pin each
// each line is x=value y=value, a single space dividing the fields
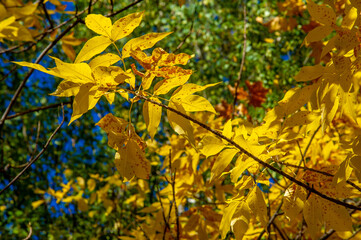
x=309 y=143
x=36 y=141
x=37 y=156
x=302 y=156
x=173 y=192
x=123 y=9
x=271 y=219
x=239 y=78
x=30 y=232
x=90 y=7
x=46 y=32
x=242 y=150
x=164 y=218
x=320 y=172
x=9 y=73
x=22 y=84
x=279 y=231
x=354 y=234
x=327 y=234
x=185 y=38
x=37 y=109
x=47 y=14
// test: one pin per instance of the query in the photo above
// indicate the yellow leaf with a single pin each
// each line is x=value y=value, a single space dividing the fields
x=130 y=157
x=329 y=46
x=40 y=68
x=131 y=78
x=131 y=161
x=91 y=184
x=39 y=191
x=180 y=125
x=329 y=104
x=192 y=223
x=6 y=22
x=251 y=147
x=99 y=24
x=125 y=26
x=85 y=100
x=174 y=77
x=350 y=17
x=202 y=229
x=152 y=115
x=69 y=51
x=71 y=40
x=77 y=72
x=293 y=201
x=301 y=118
x=312 y=212
x=37 y=203
x=144 y=42
x=169 y=59
x=309 y=73
x=92 y=47
x=346 y=41
x=110 y=96
x=321 y=13
x=104 y=60
x=227 y=130
x=269 y=40
x=188 y=89
x=240 y=166
x=116 y=128
x=66 y=88
x=317 y=34
x=245 y=182
x=109 y=77
x=337 y=217
x=194 y=103
x=294 y=99
x=240 y=221
x=211 y=145
x=257 y=204
x=355 y=163
x=27 y=10
x=83 y=205
x=356 y=146
x=343 y=173
x=227 y=217
x=222 y=161
x=81 y=182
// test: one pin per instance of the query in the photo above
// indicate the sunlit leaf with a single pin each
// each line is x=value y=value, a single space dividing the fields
x=144 y=42
x=92 y=47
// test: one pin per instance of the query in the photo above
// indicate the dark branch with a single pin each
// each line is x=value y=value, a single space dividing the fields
x=37 y=109
x=242 y=150
x=37 y=156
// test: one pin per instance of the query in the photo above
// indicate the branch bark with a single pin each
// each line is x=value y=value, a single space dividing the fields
x=242 y=150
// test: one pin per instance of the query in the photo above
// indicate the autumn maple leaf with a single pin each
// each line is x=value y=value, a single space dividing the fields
x=256 y=94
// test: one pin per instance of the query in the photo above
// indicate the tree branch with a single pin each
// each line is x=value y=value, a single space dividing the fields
x=22 y=84
x=242 y=150
x=37 y=157
x=239 y=78
x=321 y=172
x=37 y=109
